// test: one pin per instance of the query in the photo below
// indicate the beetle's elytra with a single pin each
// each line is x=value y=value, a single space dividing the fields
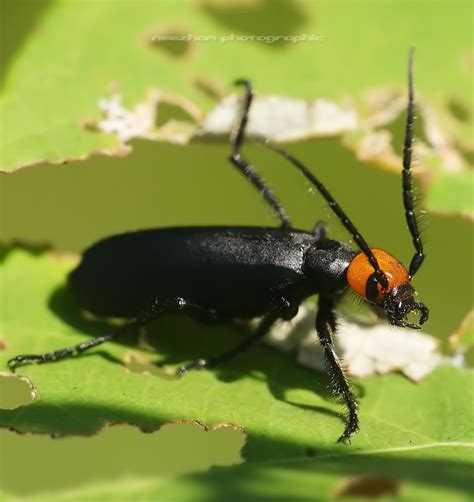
x=223 y=273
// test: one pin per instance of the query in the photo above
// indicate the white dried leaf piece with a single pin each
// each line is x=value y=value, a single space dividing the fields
x=140 y=121
x=126 y=124
x=383 y=348
x=283 y=119
x=365 y=350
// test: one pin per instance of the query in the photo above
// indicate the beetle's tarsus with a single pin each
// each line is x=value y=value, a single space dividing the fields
x=345 y=439
x=352 y=428
x=22 y=360
x=199 y=364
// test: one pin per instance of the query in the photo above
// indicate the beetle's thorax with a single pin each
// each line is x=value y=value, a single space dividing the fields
x=325 y=265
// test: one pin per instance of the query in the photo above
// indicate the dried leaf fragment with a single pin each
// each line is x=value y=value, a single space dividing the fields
x=365 y=349
x=283 y=119
x=140 y=122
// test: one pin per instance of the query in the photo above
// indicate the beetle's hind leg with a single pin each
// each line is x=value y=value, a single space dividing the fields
x=155 y=309
x=245 y=168
x=66 y=352
x=326 y=327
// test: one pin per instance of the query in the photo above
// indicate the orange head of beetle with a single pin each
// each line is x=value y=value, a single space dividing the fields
x=398 y=299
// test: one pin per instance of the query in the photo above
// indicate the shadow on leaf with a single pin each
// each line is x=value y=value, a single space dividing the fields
x=176 y=339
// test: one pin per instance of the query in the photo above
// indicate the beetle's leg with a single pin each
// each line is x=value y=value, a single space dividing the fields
x=211 y=362
x=319 y=231
x=246 y=169
x=326 y=327
x=154 y=310
x=68 y=351
x=280 y=309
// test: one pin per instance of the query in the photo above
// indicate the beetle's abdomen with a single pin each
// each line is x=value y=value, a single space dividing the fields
x=232 y=270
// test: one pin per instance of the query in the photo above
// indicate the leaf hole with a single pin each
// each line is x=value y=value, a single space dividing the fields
x=167 y=112
x=174 y=42
x=210 y=87
x=459 y=110
x=114 y=458
x=15 y=391
x=371 y=487
x=259 y=18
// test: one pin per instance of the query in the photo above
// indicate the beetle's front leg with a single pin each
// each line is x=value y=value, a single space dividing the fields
x=326 y=327
x=280 y=308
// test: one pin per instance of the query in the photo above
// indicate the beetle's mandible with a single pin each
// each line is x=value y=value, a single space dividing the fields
x=224 y=273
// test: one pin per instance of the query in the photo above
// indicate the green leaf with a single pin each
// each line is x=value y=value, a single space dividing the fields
x=60 y=58
x=419 y=435
x=452 y=193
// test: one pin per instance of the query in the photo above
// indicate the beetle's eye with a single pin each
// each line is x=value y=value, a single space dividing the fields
x=361 y=277
x=372 y=288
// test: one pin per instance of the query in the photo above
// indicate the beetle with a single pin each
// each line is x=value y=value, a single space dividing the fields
x=227 y=272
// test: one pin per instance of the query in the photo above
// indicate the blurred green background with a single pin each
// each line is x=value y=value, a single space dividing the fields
x=59 y=58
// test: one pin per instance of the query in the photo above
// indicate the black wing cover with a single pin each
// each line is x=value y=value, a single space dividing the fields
x=232 y=270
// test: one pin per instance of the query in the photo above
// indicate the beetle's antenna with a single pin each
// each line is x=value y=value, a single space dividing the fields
x=248 y=170
x=410 y=216
x=361 y=242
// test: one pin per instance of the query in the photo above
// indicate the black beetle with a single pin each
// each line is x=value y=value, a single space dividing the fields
x=223 y=273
